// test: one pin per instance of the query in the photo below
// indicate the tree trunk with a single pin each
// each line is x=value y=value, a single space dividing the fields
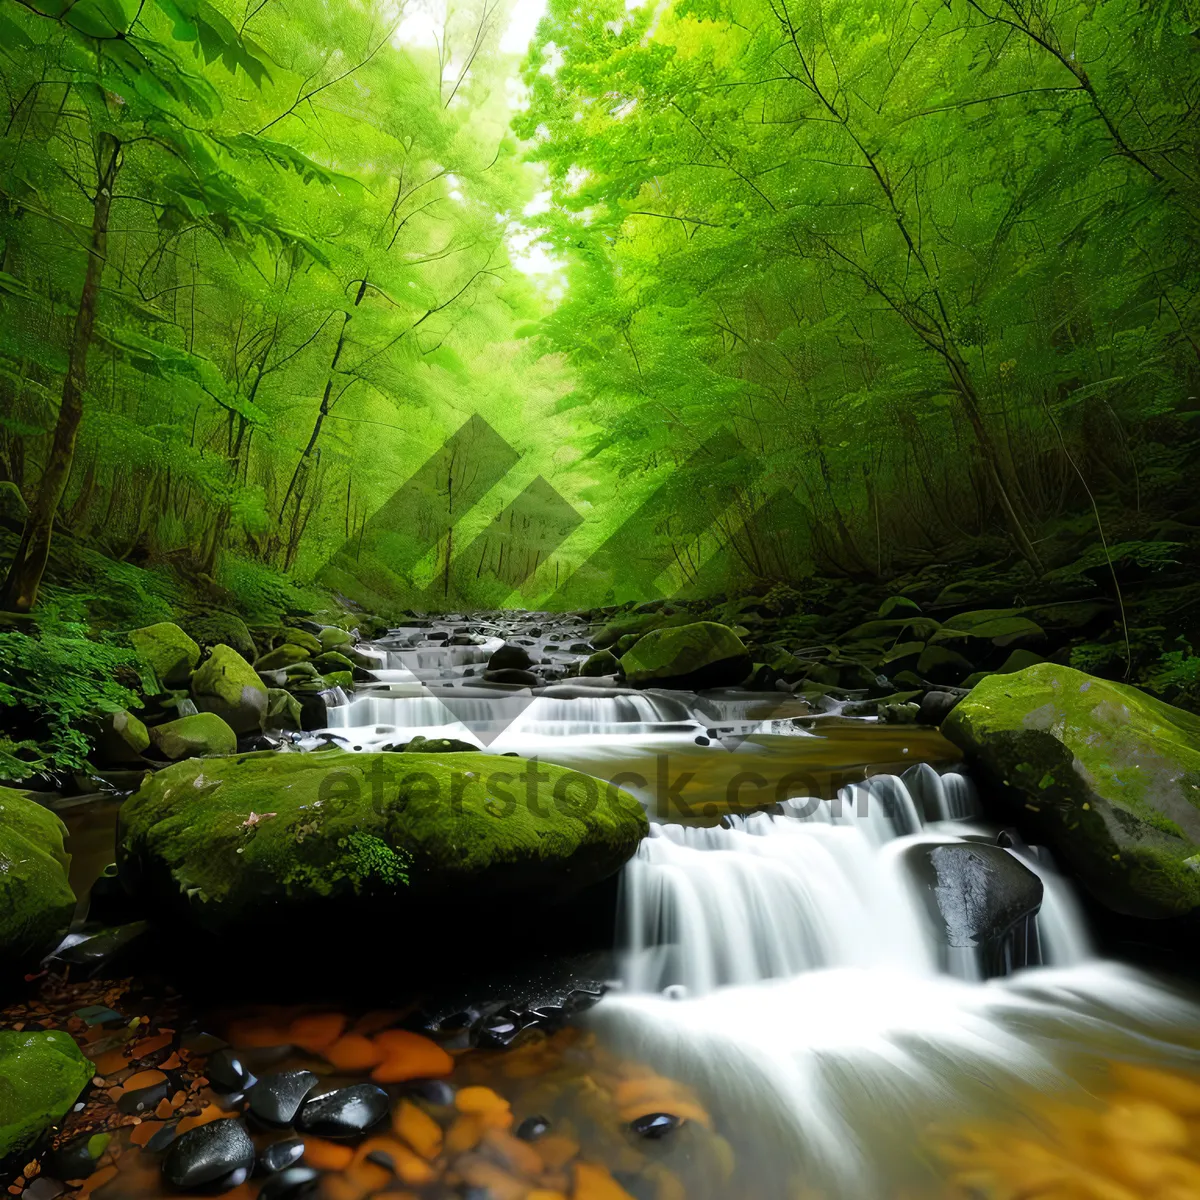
x=29 y=564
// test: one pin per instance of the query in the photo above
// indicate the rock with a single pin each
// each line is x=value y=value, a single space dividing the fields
x=205 y=733
x=634 y=624
x=936 y=706
x=333 y=638
x=227 y=1073
x=626 y=643
x=699 y=655
x=314 y=713
x=282 y=657
x=510 y=656
x=300 y=670
x=424 y=745
x=283 y=710
x=533 y=1128
x=511 y=675
x=655 y=1125
x=36 y=901
x=168 y=650
x=345 y=1113
x=339 y=679
x=75 y=1159
x=41 y=1076
x=220 y=1152
x=465 y=827
x=579 y=648
x=221 y=629
x=1103 y=774
x=903 y=712
x=939 y=664
x=302 y=638
x=280 y=1155
x=899 y=606
x=276 y=1099
x=290 y=1184
x=226 y=684
x=13 y=508
x=981 y=893
x=331 y=660
x=122 y=738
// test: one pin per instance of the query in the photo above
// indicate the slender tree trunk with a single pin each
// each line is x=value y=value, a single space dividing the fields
x=29 y=564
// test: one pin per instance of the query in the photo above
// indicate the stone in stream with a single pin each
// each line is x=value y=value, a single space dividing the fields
x=276 y=1099
x=226 y=1071
x=36 y=900
x=221 y=629
x=533 y=1128
x=280 y=1155
x=333 y=638
x=122 y=738
x=41 y=1075
x=655 y=1125
x=203 y=733
x=217 y=1154
x=703 y=654
x=367 y=833
x=603 y=662
x=345 y=1113
x=511 y=675
x=226 y=684
x=290 y=1184
x=282 y=657
x=167 y=649
x=510 y=657
x=1101 y=773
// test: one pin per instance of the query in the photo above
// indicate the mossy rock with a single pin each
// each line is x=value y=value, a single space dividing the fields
x=221 y=629
x=333 y=638
x=36 y=901
x=701 y=654
x=282 y=656
x=226 y=684
x=340 y=679
x=303 y=639
x=168 y=650
x=283 y=710
x=1105 y=775
x=377 y=832
x=201 y=733
x=41 y=1076
x=637 y=623
x=123 y=738
x=625 y=643
x=603 y=662
x=331 y=660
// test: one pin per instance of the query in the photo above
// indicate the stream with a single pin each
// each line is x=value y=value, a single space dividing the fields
x=780 y=973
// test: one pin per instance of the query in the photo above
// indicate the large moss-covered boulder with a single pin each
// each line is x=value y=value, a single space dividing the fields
x=702 y=654
x=282 y=656
x=36 y=901
x=272 y=837
x=1106 y=776
x=221 y=629
x=201 y=733
x=41 y=1076
x=226 y=684
x=122 y=737
x=167 y=649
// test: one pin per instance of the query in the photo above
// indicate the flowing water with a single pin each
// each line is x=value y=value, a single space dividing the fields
x=778 y=955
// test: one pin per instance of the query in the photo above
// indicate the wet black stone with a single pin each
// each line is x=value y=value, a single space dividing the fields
x=145 y=1099
x=533 y=1128
x=344 y=1113
x=655 y=1125
x=208 y=1154
x=227 y=1073
x=161 y=1140
x=499 y=1031
x=511 y=675
x=510 y=656
x=701 y=740
x=290 y=1184
x=70 y=1161
x=277 y=1098
x=435 y=1091
x=278 y=1156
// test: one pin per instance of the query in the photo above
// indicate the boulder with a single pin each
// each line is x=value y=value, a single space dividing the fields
x=168 y=650
x=331 y=660
x=283 y=710
x=333 y=638
x=282 y=657
x=603 y=662
x=303 y=639
x=702 y=654
x=239 y=841
x=41 y=1076
x=511 y=675
x=36 y=901
x=204 y=733
x=1105 y=775
x=226 y=684
x=510 y=657
x=221 y=629
x=122 y=737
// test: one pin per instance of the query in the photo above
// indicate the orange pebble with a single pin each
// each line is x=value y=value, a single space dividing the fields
x=170 y=1064
x=479 y=1100
x=409 y=1056
x=144 y=1132
x=518 y=1156
x=165 y=1108
x=327 y=1156
x=479 y=1172
x=316 y=1031
x=210 y=1112
x=409 y=1168
x=556 y=1149
x=152 y=1045
x=368 y=1176
x=418 y=1129
x=464 y=1134
x=596 y=1183
x=543 y=1194
x=110 y=1062
x=143 y=1079
x=353 y=1052
x=98 y=1180
x=251 y=1034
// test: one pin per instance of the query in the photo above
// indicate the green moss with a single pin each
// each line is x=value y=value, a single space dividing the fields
x=1108 y=776
x=303 y=639
x=168 y=650
x=36 y=901
x=41 y=1076
x=281 y=657
x=201 y=733
x=460 y=825
x=702 y=653
x=226 y=684
x=221 y=629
